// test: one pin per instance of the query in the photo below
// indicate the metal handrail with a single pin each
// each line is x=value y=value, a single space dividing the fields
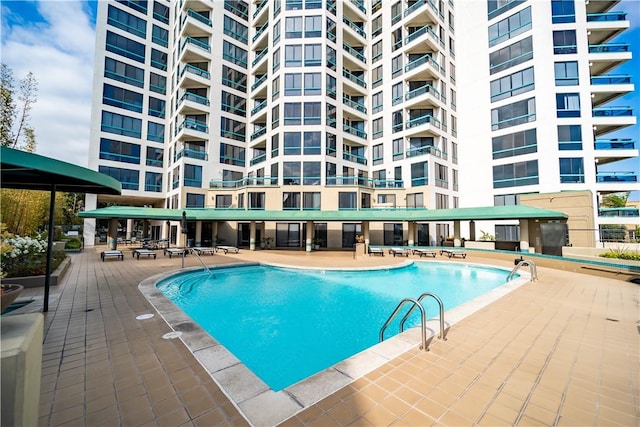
x=203 y=264
x=422 y=321
x=440 y=303
x=532 y=269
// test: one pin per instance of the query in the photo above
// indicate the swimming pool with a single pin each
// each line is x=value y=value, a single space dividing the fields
x=287 y=324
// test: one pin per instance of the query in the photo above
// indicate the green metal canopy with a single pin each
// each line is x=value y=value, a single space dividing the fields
x=29 y=171
x=375 y=214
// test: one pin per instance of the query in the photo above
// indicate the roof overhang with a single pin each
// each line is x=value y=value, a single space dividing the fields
x=210 y=214
x=29 y=171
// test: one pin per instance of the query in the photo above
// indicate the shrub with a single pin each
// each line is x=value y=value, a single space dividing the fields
x=621 y=254
x=26 y=256
x=73 y=243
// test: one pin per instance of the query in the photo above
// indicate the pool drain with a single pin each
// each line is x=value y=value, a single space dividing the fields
x=172 y=335
x=144 y=316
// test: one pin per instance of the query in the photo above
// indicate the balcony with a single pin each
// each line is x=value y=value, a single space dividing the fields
x=601 y=6
x=258 y=159
x=425 y=150
x=354 y=131
x=350 y=157
x=603 y=27
x=191 y=76
x=630 y=212
x=426 y=7
x=259 y=57
x=427 y=119
x=353 y=104
x=252 y=181
x=609 y=87
x=423 y=67
x=356 y=53
x=258 y=133
x=194 y=50
x=613 y=150
x=191 y=103
x=192 y=129
x=357 y=28
x=418 y=95
x=260 y=105
x=259 y=81
x=260 y=31
x=614 y=182
x=605 y=57
x=195 y=23
x=192 y=154
x=354 y=78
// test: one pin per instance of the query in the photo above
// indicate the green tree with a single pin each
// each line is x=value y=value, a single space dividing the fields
x=615 y=200
x=15 y=114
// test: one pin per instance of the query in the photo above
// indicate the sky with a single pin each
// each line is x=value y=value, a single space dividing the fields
x=55 y=40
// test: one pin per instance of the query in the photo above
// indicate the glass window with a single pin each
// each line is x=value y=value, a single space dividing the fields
x=569 y=137
x=155 y=132
x=127 y=22
x=512 y=55
x=118 y=151
x=192 y=176
x=122 y=98
x=513 y=114
x=158 y=59
x=239 y=8
x=313 y=26
x=125 y=47
x=313 y=83
x=347 y=200
x=156 y=107
x=157 y=83
x=376 y=76
x=195 y=200
x=161 y=12
x=311 y=201
x=311 y=173
x=122 y=72
x=566 y=73
x=293 y=84
x=293 y=27
x=312 y=113
x=515 y=174
x=510 y=27
x=290 y=200
x=155 y=156
x=160 y=36
x=234 y=54
x=291 y=173
x=515 y=144
x=234 y=29
x=312 y=143
x=571 y=170
x=121 y=125
x=419 y=174
x=564 y=42
x=498 y=7
x=129 y=179
x=292 y=113
x=312 y=55
x=293 y=56
x=512 y=85
x=568 y=104
x=292 y=143
x=563 y=11
x=153 y=182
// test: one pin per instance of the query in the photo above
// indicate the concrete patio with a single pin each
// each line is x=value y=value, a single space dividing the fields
x=561 y=351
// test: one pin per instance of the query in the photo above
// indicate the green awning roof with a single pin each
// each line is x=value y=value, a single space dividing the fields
x=208 y=214
x=29 y=171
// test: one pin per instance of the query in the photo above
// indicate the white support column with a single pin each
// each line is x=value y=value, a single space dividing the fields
x=365 y=232
x=524 y=235
x=308 y=237
x=89 y=227
x=129 y=228
x=198 y=239
x=456 y=233
x=412 y=233
x=252 y=236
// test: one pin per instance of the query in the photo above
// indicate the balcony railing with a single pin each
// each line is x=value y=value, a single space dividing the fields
x=258 y=82
x=188 y=96
x=195 y=42
x=195 y=70
x=613 y=112
x=260 y=31
x=198 y=17
x=244 y=182
x=353 y=104
x=354 y=158
x=258 y=159
x=355 y=27
x=194 y=125
x=259 y=8
x=424 y=59
x=609 y=48
x=259 y=106
x=611 y=80
x=615 y=144
x=619 y=212
x=354 y=52
x=421 y=91
x=259 y=56
x=354 y=131
x=606 y=17
x=357 y=80
x=417 y=5
x=422 y=120
x=257 y=134
x=427 y=149
x=616 y=177
x=192 y=154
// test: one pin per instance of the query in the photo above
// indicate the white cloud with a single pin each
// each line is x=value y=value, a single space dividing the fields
x=59 y=52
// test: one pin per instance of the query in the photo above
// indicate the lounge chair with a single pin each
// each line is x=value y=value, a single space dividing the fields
x=227 y=249
x=376 y=251
x=111 y=254
x=424 y=252
x=174 y=251
x=146 y=252
x=451 y=253
x=399 y=252
x=202 y=250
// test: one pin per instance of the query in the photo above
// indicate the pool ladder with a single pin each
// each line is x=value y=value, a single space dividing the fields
x=423 y=317
x=525 y=262
x=203 y=264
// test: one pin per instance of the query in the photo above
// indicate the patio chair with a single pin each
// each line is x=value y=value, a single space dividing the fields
x=111 y=254
x=200 y=250
x=227 y=249
x=399 y=252
x=174 y=251
x=424 y=252
x=375 y=251
x=147 y=252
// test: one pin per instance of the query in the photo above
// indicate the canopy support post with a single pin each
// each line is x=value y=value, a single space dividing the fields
x=47 y=277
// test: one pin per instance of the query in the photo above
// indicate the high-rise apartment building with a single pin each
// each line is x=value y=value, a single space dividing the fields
x=344 y=105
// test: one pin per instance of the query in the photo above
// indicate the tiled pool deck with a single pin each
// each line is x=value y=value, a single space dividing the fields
x=561 y=351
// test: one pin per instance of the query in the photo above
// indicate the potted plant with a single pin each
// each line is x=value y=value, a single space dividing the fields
x=316 y=242
x=268 y=241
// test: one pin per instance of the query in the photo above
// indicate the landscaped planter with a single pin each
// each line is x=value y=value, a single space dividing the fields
x=38 y=281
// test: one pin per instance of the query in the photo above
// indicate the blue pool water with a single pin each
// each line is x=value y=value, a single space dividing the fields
x=288 y=324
